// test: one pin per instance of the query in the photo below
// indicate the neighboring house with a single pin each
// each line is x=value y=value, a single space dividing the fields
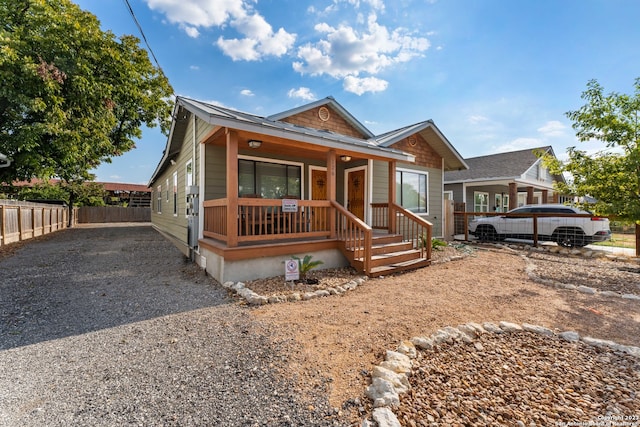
x=131 y=195
x=504 y=181
x=241 y=193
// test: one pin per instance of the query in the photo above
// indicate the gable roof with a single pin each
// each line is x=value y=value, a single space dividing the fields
x=510 y=165
x=275 y=126
x=452 y=159
x=329 y=101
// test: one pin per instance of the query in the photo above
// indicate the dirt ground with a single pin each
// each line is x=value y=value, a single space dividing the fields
x=343 y=337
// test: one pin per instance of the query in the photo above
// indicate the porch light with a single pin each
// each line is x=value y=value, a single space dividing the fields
x=345 y=158
x=254 y=143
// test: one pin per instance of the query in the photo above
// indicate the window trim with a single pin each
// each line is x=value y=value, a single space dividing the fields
x=426 y=198
x=474 y=201
x=159 y=199
x=278 y=162
x=175 y=193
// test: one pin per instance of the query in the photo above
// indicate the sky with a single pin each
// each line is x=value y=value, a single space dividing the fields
x=494 y=75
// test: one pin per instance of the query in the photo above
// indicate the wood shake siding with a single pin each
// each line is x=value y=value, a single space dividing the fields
x=425 y=155
x=336 y=123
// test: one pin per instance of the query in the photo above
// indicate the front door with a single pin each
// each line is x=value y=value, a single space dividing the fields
x=355 y=192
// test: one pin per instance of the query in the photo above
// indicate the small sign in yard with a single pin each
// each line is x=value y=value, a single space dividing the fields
x=291 y=270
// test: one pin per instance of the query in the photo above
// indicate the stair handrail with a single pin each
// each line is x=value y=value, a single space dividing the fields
x=424 y=242
x=355 y=234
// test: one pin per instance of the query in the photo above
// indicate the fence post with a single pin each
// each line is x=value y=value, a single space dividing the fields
x=2 y=225
x=19 y=223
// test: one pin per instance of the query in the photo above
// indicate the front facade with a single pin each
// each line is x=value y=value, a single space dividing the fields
x=241 y=193
x=503 y=181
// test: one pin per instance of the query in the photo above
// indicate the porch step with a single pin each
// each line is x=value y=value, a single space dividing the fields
x=386 y=248
x=403 y=266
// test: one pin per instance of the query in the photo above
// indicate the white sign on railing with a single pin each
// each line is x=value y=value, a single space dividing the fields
x=289 y=205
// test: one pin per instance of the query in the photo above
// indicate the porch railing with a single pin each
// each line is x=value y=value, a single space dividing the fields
x=355 y=233
x=265 y=219
x=412 y=227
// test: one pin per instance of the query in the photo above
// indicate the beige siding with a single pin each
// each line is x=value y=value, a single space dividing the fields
x=380 y=191
x=175 y=225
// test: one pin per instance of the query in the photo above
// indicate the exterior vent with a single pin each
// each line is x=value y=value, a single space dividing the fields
x=324 y=114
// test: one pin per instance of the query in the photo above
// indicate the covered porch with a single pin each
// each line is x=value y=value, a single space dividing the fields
x=248 y=224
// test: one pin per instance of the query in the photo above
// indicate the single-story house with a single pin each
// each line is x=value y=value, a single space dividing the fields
x=241 y=193
x=503 y=181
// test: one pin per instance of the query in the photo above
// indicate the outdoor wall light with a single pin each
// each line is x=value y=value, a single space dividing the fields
x=345 y=158
x=254 y=143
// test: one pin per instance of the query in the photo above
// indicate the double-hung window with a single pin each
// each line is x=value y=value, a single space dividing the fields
x=480 y=201
x=412 y=190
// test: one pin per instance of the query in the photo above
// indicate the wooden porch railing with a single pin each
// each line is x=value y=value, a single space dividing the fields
x=264 y=220
x=355 y=233
x=412 y=227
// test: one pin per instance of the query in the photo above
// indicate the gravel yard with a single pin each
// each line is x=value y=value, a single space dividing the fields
x=109 y=326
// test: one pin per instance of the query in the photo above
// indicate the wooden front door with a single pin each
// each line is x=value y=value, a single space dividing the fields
x=355 y=192
x=319 y=192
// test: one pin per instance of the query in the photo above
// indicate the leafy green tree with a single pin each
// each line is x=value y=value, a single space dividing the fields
x=84 y=194
x=71 y=95
x=611 y=176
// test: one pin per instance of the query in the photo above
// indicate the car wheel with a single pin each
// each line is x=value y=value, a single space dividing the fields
x=570 y=238
x=487 y=234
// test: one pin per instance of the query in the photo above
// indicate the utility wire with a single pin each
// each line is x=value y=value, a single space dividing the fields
x=144 y=37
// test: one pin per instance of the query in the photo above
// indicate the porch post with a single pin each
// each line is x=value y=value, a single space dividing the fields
x=331 y=189
x=529 y=195
x=232 y=188
x=513 y=195
x=545 y=196
x=391 y=223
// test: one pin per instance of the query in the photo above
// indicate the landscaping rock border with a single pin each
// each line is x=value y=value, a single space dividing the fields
x=253 y=298
x=390 y=379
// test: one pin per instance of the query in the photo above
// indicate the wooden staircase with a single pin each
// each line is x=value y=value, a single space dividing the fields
x=389 y=254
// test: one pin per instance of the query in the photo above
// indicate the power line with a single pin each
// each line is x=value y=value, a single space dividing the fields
x=144 y=37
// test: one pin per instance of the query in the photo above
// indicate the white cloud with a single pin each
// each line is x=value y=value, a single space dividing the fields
x=518 y=144
x=246 y=92
x=302 y=93
x=258 y=38
x=346 y=52
x=198 y=13
x=194 y=67
x=476 y=119
x=362 y=85
x=553 y=128
x=192 y=32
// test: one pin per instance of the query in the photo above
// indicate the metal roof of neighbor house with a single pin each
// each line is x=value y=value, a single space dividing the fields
x=508 y=165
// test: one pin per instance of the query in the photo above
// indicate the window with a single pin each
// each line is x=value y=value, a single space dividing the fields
x=501 y=203
x=411 y=191
x=175 y=193
x=189 y=174
x=269 y=180
x=480 y=201
x=159 y=199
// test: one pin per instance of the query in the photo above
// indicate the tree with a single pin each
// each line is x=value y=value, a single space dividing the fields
x=71 y=95
x=612 y=176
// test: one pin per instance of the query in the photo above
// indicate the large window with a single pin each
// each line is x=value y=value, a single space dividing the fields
x=411 y=191
x=268 y=180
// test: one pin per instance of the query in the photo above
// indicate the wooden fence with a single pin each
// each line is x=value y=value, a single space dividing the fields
x=22 y=221
x=102 y=214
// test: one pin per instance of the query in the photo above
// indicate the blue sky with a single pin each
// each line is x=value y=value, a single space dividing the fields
x=494 y=75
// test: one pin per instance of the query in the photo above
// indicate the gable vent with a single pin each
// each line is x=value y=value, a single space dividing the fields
x=323 y=114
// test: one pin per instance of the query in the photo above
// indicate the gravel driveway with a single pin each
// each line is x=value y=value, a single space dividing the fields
x=110 y=326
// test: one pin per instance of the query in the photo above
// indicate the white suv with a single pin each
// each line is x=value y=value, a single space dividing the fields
x=566 y=230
